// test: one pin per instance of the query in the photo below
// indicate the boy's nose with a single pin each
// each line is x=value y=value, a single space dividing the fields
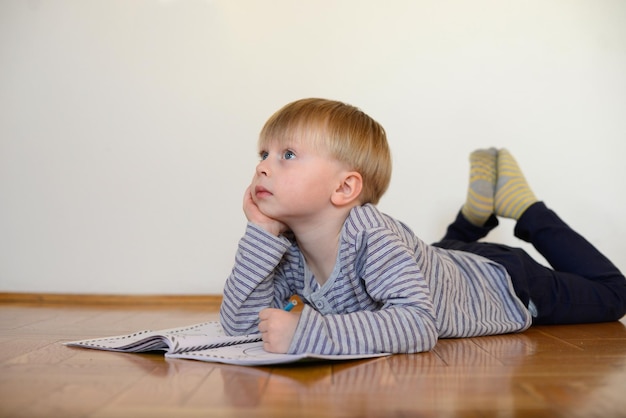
x=262 y=168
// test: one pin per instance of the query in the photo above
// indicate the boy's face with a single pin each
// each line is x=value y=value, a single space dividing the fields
x=294 y=181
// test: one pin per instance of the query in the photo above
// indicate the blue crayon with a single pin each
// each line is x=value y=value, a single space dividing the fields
x=290 y=305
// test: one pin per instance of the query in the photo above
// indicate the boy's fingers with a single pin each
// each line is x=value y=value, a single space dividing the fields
x=266 y=313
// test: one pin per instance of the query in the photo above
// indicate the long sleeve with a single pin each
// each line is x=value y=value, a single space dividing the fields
x=251 y=286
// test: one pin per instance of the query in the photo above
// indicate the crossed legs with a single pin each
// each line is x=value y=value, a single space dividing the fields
x=582 y=285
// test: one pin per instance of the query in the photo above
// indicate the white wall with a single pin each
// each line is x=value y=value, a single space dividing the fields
x=128 y=128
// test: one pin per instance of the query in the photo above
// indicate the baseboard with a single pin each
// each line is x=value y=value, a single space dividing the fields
x=97 y=299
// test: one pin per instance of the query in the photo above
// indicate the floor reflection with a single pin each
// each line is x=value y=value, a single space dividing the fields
x=498 y=373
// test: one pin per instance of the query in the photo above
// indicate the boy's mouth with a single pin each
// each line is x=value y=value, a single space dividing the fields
x=260 y=191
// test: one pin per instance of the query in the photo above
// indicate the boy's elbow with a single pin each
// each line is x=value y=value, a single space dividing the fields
x=427 y=341
x=422 y=347
x=420 y=343
x=233 y=327
x=430 y=345
x=228 y=330
x=421 y=325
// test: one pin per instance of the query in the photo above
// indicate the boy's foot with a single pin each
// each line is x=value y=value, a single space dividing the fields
x=479 y=204
x=513 y=195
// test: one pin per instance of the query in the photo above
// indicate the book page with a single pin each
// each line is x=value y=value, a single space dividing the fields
x=181 y=339
x=252 y=354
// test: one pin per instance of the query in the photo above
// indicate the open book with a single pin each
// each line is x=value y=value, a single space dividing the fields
x=206 y=342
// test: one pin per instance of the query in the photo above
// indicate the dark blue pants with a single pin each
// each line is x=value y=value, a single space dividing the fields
x=582 y=286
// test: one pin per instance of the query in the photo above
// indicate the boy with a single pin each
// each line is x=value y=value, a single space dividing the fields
x=368 y=283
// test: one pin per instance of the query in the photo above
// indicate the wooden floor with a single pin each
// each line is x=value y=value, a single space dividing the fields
x=559 y=371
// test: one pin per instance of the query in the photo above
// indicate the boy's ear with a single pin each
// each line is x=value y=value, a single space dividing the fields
x=349 y=190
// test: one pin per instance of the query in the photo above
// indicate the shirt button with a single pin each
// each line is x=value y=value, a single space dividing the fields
x=319 y=304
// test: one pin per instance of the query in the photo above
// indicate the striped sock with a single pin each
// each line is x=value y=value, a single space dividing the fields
x=478 y=206
x=513 y=195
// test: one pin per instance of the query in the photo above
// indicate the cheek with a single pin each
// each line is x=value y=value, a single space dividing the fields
x=318 y=186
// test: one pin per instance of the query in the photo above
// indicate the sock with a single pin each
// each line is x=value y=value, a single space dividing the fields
x=513 y=195
x=478 y=206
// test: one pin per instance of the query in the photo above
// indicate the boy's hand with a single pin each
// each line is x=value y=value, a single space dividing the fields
x=254 y=215
x=277 y=328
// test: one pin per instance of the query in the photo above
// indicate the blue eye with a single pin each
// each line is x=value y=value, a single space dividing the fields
x=289 y=155
x=263 y=155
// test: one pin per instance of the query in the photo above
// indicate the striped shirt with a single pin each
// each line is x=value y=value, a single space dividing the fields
x=389 y=291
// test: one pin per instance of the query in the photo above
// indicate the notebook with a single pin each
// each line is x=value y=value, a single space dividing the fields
x=206 y=341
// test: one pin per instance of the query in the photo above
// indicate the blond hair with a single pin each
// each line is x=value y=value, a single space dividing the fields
x=344 y=131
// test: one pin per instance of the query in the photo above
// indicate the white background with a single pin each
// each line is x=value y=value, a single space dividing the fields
x=128 y=128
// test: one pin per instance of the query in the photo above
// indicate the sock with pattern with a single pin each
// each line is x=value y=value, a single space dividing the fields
x=513 y=195
x=479 y=203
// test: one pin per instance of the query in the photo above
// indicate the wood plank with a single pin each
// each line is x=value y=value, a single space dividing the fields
x=94 y=299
